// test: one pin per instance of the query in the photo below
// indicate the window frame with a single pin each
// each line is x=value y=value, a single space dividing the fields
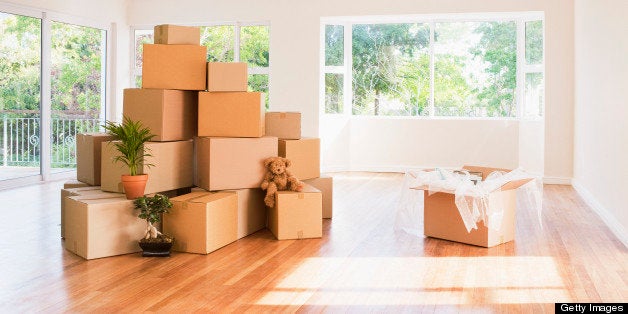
x=47 y=17
x=137 y=71
x=520 y=19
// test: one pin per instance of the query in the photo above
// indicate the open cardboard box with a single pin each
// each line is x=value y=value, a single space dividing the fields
x=442 y=219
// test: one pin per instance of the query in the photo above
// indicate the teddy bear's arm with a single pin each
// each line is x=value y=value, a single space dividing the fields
x=267 y=178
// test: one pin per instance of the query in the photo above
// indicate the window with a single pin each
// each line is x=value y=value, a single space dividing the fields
x=475 y=69
x=533 y=70
x=225 y=43
x=77 y=85
x=390 y=69
x=447 y=66
x=334 y=61
x=20 y=95
x=52 y=86
x=254 y=50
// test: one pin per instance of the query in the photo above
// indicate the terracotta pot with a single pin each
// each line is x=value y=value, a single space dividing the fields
x=134 y=186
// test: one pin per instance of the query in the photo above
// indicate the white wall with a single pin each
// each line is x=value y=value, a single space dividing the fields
x=432 y=143
x=601 y=110
x=294 y=57
x=111 y=13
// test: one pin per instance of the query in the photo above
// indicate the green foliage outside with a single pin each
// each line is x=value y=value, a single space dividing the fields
x=334 y=45
x=474 y=68
x=255 y=45
x=385 y=60
x=219 y=42
x=534 y=42
x=76 y=64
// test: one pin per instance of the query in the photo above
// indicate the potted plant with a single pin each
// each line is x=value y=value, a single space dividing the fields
x=130 y=137
x=154 y=243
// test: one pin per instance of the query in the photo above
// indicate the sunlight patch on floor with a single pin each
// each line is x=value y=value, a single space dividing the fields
x=420 y=280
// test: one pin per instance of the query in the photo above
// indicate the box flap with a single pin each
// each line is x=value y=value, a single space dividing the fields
x=99 y=199
x=484 y=170
x=210 y=197
x=511 y=185
x=189 y=196
x=306 y=189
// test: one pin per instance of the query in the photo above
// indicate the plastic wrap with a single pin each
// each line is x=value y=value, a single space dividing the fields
x=472 y=198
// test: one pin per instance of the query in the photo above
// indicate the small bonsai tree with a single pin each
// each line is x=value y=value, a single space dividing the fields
x=131 y=136
x=151 y=209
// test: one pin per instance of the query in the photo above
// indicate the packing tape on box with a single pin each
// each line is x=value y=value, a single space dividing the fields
x=472 y=199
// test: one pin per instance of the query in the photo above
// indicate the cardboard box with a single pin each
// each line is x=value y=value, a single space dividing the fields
x=305 y=155
x=100 y=225
x=88 y=153
x=172 y=167
x=227 y=77
x=225 y=163
x=284 y=125
x=442 y=219
x=297 y=215
x=234 y=114
x=202 y=222
x=169 y=114
x=74 y=191
x=174 y=67
x=326 y=185
x=167 y=34
x=251 y=211
x=71 y=184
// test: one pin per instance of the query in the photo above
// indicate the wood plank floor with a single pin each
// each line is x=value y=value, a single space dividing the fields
x=360 y=265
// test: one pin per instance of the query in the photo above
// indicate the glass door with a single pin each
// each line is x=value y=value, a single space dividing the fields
x=20 y=100
x=78 y=63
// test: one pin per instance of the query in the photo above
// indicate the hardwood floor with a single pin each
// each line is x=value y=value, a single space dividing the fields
x=361 y=264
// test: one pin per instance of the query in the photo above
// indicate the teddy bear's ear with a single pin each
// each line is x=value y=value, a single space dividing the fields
x=268 y=161
x=287 y=162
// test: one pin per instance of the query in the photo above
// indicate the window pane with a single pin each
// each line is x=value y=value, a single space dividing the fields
x=219 y=41
x=333 y=93
x=390 y=69
x=141 y=37
x=259 y=83
x=254 y=45
x=534 y=42
x=535 y=94
x=334 y=45
x=20 y=47
x=475 y=69
x=78 y=87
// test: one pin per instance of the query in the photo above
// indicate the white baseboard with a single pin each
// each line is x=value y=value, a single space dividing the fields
x=400 y=169
x=557 y=180
x=609 y=219
x=326 y=169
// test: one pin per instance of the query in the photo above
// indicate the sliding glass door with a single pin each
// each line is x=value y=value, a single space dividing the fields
x=52 y=86
x=78 y=55
x=20 y=101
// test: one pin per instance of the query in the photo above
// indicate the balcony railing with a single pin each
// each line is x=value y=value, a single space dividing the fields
x=21 y=143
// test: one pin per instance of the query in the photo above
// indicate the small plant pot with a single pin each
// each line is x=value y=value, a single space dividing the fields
x=134 y=186
x=156 y=248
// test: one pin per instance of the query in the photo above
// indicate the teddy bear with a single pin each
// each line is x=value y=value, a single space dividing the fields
x=278 y=178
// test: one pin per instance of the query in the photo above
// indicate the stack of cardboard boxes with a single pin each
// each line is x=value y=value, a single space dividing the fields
x=287 y=221
x=210 y=132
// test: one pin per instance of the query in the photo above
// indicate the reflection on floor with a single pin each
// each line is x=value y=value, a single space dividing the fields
x=360 y=264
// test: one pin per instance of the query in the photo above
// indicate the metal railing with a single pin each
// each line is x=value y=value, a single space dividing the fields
x=21 y=141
